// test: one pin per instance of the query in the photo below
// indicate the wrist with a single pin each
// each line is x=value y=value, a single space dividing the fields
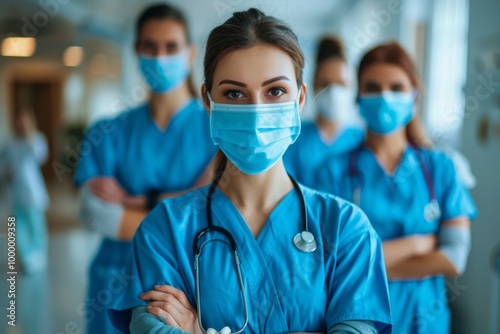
x=152 y=198
x=415 y=245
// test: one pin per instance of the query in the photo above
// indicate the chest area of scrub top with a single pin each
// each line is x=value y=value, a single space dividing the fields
x=285 y=288
x=169 y=159
x=394 y=203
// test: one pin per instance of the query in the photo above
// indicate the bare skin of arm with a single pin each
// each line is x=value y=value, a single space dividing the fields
x=430 y=264
x=134 y=207
x=401 y=249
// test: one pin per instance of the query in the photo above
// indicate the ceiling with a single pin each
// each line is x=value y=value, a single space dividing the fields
x=58 y=23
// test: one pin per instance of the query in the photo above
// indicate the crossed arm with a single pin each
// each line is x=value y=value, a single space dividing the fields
x=107 y=208
x=178 y=316
x=420 y=256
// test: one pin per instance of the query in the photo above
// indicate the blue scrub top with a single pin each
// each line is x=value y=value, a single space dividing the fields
x=286 y=290
x=141 y=157
x=395 y=203
x=310 y=150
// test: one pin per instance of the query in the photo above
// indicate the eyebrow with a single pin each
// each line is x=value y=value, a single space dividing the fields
x=232 y=82
x=265 y=83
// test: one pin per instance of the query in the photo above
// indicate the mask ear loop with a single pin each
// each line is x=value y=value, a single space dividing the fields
x=212 y=104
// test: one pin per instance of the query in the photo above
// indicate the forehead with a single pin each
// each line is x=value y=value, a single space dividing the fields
x=384 y=72
x=333 y=67
x=255 y=64
x=162 y=29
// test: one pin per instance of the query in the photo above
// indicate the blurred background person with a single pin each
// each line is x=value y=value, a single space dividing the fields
x=22 y=157
x=157 y=150
x=410 y=192
x=334 y=131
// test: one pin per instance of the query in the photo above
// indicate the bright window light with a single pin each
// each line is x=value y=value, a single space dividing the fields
x=18 y=46
x=73 y=56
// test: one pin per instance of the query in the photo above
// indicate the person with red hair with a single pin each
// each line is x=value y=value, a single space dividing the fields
x=410 y=192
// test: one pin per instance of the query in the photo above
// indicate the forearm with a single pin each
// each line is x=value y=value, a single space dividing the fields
x=354 y=327
x=397 y=251
x=418 y=267
x=143 y=322
x=98 y=215
x=130 y=221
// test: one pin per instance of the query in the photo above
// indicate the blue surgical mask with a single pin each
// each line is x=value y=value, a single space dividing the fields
x=164 y=73
x=387 y=112
x=254 y=136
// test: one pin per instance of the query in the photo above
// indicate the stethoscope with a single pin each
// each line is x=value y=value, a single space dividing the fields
x=304 y=241
x=432 y=210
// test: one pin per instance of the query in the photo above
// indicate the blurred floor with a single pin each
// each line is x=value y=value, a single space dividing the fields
x=52 y=301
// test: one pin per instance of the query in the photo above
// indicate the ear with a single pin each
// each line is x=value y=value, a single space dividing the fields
x=136 y=47
x=204 y=96
x=192 y=54
x=302 y=97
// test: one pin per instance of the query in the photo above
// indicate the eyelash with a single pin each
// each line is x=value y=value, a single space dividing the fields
x=233 y=91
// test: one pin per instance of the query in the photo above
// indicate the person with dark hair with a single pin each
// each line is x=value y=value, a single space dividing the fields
x=255 y=251
x=157 y=150
x=334 y=130
x=410 y=192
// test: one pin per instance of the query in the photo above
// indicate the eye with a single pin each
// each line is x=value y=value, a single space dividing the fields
x=372 y=87
x=234 y=94
x=172 y=48
x=396 y=87
x=276 y=92
x=149 y=46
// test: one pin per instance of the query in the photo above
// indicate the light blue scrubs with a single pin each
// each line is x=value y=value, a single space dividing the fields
x=310 y=150
x=286 y=290
x=142 y=158
x=395 y=205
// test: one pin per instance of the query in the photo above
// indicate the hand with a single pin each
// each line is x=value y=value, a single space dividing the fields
x=107 y=189
x=172 y=305
x=423 y=244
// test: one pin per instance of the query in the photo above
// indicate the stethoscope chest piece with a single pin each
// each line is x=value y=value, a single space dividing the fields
x=304 y=241
x=432 y=211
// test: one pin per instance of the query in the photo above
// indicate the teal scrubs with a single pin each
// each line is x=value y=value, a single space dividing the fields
x=286 y=290
x=395 y=203
x=142 y=158
x=310 y=150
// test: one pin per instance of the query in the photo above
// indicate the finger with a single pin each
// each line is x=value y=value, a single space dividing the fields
x=173 y=310
x=154 y=295
x=178 y=294
x=165 y=316
x=169 y=320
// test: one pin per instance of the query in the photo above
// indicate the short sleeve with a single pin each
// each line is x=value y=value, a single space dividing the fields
x=454 y=198
x=357 y=286
x=97 y=152
x=325 y=176
x=152 y=262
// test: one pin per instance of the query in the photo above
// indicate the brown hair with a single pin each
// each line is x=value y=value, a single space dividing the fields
x=244 y=30
x=163 y=11
x=329 y=48
x=392 y=53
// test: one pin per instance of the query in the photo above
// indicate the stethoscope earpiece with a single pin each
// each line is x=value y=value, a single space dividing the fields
x=225 y=330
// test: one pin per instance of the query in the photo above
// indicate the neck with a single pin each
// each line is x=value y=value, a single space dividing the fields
x=327 y=127
x=387 y=148
x=257 y=192
x=164 y=106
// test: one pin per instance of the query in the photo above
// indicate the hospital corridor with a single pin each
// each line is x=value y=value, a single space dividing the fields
x=232 y=166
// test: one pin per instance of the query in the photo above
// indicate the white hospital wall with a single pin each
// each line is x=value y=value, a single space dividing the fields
x=473 y=305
